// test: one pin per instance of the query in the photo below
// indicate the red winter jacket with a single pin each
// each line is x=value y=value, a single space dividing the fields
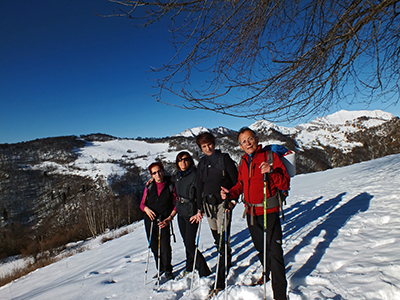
x=252 y=185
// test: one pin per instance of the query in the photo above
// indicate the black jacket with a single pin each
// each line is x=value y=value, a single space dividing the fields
x=185 y=185
x=213 y=172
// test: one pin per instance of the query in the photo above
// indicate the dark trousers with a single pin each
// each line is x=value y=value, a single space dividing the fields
x=275 y=264
x=188 y=232
x=165 y=244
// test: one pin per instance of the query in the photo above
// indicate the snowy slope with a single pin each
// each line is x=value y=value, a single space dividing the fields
x=341 y=241
x=100 y=159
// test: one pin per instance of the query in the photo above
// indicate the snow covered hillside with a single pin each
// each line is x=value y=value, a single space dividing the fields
x=104 y=158
x=333 y=130
x=341 y=241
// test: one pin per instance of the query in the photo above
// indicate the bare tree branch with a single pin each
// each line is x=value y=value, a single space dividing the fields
x=282 y=59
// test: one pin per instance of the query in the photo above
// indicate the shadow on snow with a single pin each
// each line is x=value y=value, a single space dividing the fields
x=300 y=215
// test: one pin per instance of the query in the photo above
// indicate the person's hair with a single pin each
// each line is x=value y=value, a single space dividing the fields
x=205 y=138
x=156 y=163
x=243 y=129
x=182 y=154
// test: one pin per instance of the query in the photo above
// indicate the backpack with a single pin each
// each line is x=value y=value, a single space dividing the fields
x=288 y=159
x=226 y=180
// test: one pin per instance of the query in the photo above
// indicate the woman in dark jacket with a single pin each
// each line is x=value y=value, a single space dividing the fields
x=186 y=207
x=158 y=203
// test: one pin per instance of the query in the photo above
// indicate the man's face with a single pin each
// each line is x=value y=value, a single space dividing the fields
x=208 y=148
x=247 y=142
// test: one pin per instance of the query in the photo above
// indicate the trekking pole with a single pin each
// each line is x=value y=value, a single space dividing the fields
x=265 y=179
x=159 y=255
x=172 y=231
x=226 y=256
x=219 y=250
x=148 y=252
x=195 y=255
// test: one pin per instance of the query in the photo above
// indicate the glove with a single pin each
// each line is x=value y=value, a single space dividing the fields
x=226 y=203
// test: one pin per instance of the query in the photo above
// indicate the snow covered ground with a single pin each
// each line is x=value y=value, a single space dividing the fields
x=341 y=241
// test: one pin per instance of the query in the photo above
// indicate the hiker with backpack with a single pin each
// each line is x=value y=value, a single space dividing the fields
x=214 y=170
x=158 y=203
x=267 y=237
x=186 y=208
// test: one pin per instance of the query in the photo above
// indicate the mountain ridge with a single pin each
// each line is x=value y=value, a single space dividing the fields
x=53 y=183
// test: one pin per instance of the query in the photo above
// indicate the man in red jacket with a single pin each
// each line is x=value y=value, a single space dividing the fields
x=254 y=164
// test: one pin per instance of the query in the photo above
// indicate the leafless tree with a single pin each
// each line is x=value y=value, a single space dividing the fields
x=282 y=59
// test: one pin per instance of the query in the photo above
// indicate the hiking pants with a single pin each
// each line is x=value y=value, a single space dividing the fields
x=166 y=250
x=188 y=232
x=275 y=264
x=215 y=222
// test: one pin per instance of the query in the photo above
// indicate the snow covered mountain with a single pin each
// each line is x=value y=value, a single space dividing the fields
x=56 y=179
x=334 y=130
x=340 y=241
x=193 y=132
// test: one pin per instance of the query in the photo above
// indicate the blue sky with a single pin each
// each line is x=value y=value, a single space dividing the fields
x=66 y=71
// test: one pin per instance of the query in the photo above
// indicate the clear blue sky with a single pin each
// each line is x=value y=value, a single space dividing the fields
x=66 y=71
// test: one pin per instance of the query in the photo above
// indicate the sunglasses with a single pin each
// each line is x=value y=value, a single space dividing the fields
x=157 y=172
x=186 y=159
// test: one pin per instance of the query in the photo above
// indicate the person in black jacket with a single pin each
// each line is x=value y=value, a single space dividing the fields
x=186 y=207
x=158 y=203
x=214 y=170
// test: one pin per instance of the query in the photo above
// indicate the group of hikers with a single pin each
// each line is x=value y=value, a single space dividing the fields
x=213 y=189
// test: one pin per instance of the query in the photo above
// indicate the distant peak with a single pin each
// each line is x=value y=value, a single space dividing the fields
x=343 y=116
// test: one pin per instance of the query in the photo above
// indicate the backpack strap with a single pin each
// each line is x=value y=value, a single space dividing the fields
x=279 y=195
x=271 y=157
x=221 y=165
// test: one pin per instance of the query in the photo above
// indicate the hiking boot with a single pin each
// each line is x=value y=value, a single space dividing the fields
x=156 y=275
x=214 y=292
x=183 y=274
x=261 y=280
x=169 y=276
x=220 y=285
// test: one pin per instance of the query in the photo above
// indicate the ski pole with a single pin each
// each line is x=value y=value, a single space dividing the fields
x=265 y=177
x=172 y=231
x=219 y=250
x=195 y=255
x=159 y=255
x=148 y=252
x=226 y=256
